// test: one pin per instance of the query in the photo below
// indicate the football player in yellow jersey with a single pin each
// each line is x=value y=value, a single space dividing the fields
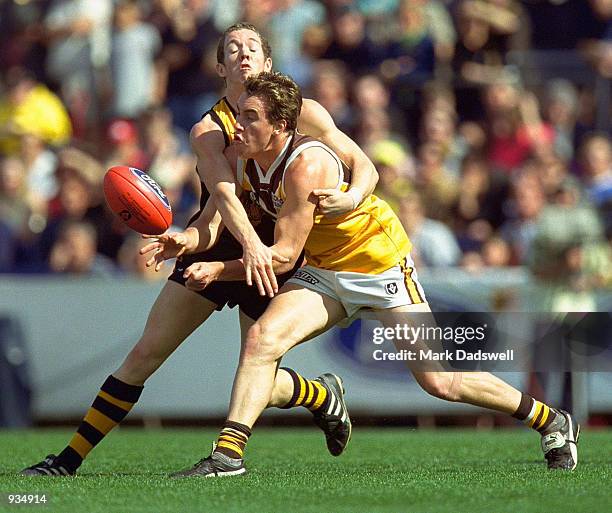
x=178 y=311
x=281 y=172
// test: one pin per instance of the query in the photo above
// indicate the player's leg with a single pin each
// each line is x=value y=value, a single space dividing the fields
x=283 y=384
x=176 y=313
x=292 y=390
x=282 y=326
x=483 y=389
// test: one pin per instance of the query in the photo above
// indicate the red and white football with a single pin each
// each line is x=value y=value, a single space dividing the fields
x=137 y=199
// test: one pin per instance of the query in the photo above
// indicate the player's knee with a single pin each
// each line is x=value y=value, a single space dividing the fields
x=261 y=344
x=144 y=356
x=440 y=385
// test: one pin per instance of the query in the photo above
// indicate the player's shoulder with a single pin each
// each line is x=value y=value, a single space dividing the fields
x=205 y=125
x=207 y=136
x=312 y=162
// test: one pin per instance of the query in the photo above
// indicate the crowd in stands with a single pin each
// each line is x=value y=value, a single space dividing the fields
x=484 y=119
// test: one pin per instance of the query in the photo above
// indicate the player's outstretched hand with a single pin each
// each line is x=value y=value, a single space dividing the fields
x=201 y=274
x=333 y=202
x=165 y=246
x=257 y=260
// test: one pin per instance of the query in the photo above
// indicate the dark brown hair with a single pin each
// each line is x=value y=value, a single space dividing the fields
x=265 y=45
x=280 y=95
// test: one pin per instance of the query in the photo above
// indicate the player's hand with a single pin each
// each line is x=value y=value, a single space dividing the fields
x=333 y=202
x=257 y=260
x=164 y=247
x=201 y=274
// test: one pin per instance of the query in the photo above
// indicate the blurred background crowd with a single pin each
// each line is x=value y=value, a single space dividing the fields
x=488 y=121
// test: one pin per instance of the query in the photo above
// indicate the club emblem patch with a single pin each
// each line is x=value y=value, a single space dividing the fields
x=391 y=288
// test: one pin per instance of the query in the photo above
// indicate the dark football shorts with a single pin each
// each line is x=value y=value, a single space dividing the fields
x=230 y=293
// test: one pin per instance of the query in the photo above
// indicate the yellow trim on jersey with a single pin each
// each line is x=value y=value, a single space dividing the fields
x=223 y=110
x=411 y=286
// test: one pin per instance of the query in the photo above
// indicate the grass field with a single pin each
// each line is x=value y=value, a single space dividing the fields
x=390 y=470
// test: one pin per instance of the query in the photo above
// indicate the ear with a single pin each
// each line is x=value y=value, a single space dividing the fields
x=220 y=70
x=280 y=127
x=268 y=64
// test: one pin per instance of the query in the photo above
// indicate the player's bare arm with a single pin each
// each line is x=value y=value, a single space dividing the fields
x=201 y=235
x=314 y=168
x=315 y=121
x=208 y=145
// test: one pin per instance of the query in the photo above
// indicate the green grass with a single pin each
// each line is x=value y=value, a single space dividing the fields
x=384 y=470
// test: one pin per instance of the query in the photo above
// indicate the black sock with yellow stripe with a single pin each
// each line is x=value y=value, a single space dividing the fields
x=233 y=439
x=112 y=404
x=535 y=414
x=307 y=393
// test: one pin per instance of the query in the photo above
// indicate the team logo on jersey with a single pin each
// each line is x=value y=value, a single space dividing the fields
x=125 y=215
x=305 y=276
x=277 y=202
x=153 y=185
x=391 y=288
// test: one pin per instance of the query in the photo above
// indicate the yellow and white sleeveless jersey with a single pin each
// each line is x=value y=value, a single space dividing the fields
x=370 y=239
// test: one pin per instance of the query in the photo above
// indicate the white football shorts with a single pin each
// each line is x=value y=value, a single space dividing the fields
x=398 y=286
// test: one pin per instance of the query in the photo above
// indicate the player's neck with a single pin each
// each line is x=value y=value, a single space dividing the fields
x=232 y=93
x=266 y=158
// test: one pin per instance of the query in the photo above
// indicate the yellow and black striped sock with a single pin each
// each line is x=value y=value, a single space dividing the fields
x=307 y=393
x=535 y=414
x=233 y=439
x=112 y=404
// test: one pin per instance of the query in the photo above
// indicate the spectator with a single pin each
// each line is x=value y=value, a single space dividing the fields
x=373 y=128
x=436 y=185
x=29 y=107
x=515 y=128
x=135 y=47
x=410 y=55
x=22 y=36
x=439 y=126
x=41 y=164
x=596 y=159
x=170 y=162
x=561 y=109
x=528 y=203
x=350 y=42
x=124 y=145
x=563 y=236
x=434 y=243
x=330 y=90
x=480 y=194
x=74 y=252
x=287 y=26
x=496 y=252
x=189 y=55
x=14 y=208
x=78 y=37
x=393 y=164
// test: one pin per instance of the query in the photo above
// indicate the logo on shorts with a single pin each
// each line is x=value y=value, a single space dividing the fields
x=304 y=276
x=391 y=288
